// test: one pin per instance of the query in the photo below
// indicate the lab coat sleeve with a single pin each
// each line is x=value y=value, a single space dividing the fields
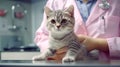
x=41 y=35
x=114 y=42
x=114 y=47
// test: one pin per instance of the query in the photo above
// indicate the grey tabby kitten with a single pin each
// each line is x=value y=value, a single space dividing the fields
x=60 y=24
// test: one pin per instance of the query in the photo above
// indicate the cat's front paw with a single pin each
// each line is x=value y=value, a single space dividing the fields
x=68 y=59
x=39 y=58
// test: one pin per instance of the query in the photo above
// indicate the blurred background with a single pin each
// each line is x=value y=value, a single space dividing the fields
x=19 y=19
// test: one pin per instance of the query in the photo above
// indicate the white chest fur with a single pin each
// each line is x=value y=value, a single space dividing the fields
x=59 y=43
x=56 y=44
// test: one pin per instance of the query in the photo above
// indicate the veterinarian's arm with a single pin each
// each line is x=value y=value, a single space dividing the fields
x=94 y=43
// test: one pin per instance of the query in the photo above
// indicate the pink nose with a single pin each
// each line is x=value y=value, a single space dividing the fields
x=58 y=26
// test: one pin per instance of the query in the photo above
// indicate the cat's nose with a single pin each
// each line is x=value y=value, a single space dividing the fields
x=58 y=26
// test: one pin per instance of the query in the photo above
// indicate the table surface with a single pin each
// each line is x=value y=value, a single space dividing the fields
x=30 y=63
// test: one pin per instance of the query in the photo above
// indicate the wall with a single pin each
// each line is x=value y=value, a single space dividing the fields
x=23 y=36
x=28 y=25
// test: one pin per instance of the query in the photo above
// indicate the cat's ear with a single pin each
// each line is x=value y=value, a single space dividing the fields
x=47 y=11
x=70 y=10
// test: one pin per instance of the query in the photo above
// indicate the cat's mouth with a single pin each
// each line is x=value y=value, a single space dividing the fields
x=58 y=29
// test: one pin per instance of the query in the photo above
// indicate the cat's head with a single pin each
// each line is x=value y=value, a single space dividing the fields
x=60 y=20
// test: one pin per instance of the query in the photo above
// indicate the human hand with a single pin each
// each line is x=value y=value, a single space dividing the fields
x=59 y=54
x=94 y=43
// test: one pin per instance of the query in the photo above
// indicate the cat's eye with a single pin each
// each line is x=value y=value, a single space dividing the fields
x=63 y=21
x=53 y=21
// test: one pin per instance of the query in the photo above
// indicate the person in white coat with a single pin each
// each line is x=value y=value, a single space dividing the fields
x=97 y=23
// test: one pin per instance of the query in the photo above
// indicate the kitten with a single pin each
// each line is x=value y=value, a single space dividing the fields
x=60 y=24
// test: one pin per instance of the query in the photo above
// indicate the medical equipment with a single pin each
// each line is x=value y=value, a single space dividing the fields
x=104 y=5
